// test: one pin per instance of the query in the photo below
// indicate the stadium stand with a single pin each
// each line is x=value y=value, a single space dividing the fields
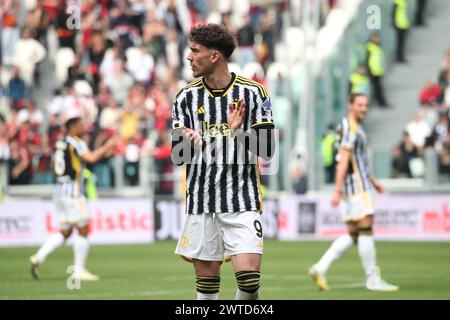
x=121 y=68
x=127 y=59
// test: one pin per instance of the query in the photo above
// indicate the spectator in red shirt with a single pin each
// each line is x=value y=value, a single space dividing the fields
x=430 y=93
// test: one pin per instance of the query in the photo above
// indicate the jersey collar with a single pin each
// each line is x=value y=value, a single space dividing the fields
x=219 y=92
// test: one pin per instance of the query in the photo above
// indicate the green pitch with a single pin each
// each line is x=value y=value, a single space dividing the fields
x=422 y=270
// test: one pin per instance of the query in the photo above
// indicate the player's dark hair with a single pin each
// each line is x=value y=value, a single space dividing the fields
x=214 y=36
x=71 y=122
x=353 y=96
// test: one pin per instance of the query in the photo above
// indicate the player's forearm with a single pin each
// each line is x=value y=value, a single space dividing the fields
x=341 y=171
x=372 y=179
x=97 y=154
x=20 y=167
x=260 y=142
x=102 y=151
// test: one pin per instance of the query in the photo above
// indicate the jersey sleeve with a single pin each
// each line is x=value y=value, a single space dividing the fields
x=180 y=117
x=347 y=132
x=80 y=147
x=262 y=111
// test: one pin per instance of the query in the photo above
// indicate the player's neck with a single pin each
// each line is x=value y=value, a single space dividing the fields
x=219 y=79
x=72 y=135
x=352 y=117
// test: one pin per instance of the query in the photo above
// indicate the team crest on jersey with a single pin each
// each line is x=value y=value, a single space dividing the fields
x=267 y=106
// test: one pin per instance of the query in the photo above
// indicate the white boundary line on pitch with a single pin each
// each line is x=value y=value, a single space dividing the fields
x=269 y=277
x=265 y=277
x=171 y=292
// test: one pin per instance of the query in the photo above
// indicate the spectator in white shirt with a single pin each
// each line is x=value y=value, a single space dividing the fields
x=140 y=64
x=32 y=114
x=172 y=50
x=109 y=65
x=120 y=84
x=27 y=53
x=418 y=130
x=10 y=29
x=110 y=116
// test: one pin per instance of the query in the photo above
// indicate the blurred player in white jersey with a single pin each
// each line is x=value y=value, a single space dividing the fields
x=354 y=185
x=69 y=161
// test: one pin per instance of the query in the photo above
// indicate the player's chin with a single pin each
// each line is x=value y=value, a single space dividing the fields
x=197 y=73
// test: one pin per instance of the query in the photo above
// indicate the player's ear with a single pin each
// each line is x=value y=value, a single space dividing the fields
x=215 y=56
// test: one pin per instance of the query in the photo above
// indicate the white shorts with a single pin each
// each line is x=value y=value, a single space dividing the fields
x=210 y=237
x=356 y=207
x=72 y=212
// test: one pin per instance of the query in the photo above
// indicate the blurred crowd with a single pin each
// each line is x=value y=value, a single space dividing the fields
x=430 y=125
x=429 y=128
x=118 y=63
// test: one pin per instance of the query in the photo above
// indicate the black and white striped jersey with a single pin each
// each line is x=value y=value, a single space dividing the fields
x=353 y=137
x=223 y=176
x=69 y=167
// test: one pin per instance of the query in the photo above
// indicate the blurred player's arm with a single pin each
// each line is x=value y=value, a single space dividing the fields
x=376 y=184
x=341 y=170
x=101 y=152
x=347 y=132
x=22 y=165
